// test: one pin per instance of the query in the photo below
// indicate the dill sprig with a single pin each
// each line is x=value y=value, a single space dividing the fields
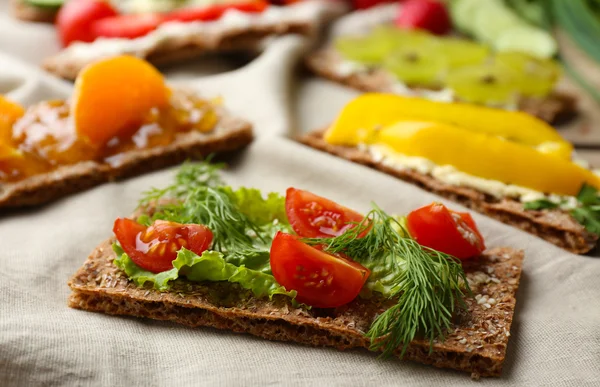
x=429 y=285
x=200 y=196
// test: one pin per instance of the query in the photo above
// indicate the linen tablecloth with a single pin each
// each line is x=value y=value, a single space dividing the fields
x=555 y=338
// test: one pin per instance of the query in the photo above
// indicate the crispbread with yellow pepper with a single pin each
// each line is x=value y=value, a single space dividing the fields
x=554 y=225
x=553 y=108
x=476 y=343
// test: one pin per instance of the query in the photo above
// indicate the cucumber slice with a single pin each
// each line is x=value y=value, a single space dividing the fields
x=45 y=3
x=527 y=39
x=493 y=20
x=462 y=13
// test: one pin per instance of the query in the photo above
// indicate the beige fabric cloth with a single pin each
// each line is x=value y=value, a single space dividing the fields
x=556 y=332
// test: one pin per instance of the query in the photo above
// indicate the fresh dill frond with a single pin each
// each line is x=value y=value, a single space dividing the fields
x=200 y=196
x=429 y=285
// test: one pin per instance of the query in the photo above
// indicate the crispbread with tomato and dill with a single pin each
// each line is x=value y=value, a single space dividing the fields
x=177 y=41
x=475 y=341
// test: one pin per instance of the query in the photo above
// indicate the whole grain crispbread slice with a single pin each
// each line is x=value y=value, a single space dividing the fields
x=229 y=135
x=326 y=63
x=555 y=226
x=228 y=37
x=476 y=343
x=27 y=12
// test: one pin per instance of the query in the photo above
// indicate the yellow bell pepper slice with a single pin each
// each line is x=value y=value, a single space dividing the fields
x=486 y=156
x=374 y=110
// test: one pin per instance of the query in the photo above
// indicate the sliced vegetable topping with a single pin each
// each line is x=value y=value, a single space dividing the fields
x=322 y=280
x=373 y=110
x=427 y=15
x=154 y=248
x=448 y=231
x=486 y=156
x=113 y=96
x=313 y=216
x=126 y=26
x=76 y=18
x=214 y=12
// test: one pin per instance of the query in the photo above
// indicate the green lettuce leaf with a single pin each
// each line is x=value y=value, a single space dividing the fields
x=259 y=210
x=210 y=266
x=140 y=276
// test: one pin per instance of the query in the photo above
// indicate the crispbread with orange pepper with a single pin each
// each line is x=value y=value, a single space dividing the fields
x=122 y=121
x=476 y=343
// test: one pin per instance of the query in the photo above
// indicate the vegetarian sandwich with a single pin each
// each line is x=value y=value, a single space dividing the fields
x=122 y=120
x=169 y=31
x=305 y=269
x=505 y=164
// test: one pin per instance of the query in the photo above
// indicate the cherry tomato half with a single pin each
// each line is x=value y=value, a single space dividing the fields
x=313 y=216
x=75 y=18
x=126 y=26
x=154 y=248
x=214 y=12
x=321 y=280
x=441 y=229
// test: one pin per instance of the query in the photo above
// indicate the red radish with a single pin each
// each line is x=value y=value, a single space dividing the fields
x=364 y=4
x=427 y=15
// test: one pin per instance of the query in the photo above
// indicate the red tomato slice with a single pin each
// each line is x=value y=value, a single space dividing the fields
x=321 y=280
x=450 y=232
x=154 y=248
x=126 y=26
x=313 y=216
x=75 y=18
x=214 y=12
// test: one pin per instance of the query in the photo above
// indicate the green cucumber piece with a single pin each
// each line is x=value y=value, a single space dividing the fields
x=45 y=3
x=462 y=12
x=527 y=39
x=491 y=21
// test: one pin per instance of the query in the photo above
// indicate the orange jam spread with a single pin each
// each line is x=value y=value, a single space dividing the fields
x=45 y=137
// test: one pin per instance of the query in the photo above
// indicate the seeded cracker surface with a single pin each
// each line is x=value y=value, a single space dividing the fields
x=555 y=226
x=553 y=108
x=476 y=344
x=229 y=135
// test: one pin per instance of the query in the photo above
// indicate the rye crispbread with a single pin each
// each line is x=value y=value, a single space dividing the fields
x=230 y=134
x=235 y=37
x=554 y=108
x=27 y=12
x=555 y=226
x=476 y=343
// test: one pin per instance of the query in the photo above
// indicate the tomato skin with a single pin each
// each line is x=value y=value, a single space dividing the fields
x=427 y=15
x=75 y=18
x=450 y=232
x=126 y=26
x=364 y=4
x=155 y=247
x=322 y=280
x=313 y=216
x=214 y=12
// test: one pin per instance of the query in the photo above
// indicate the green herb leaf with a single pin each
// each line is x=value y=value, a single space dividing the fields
x=427 y=285
x=243 y=223
x=210 y=266
x=588 y=195
x=540 y=204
